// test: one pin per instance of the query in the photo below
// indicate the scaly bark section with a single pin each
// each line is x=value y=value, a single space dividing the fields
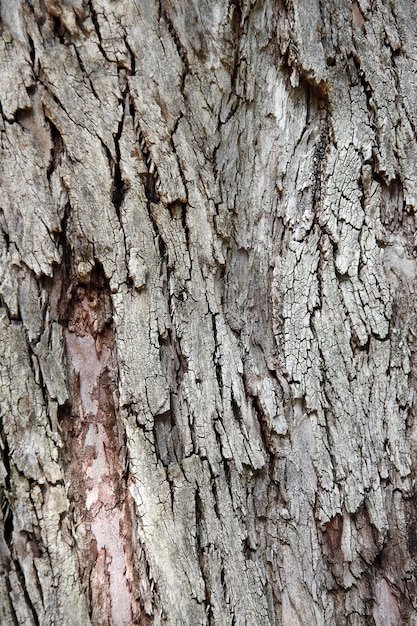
x=233 y=190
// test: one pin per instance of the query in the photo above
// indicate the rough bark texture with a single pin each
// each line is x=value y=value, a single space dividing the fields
x=208 y=312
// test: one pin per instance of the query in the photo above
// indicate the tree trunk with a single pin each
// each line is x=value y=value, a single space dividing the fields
x=208 y=315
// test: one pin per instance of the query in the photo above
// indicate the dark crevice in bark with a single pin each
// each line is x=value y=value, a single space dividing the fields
x=411 y=565
x=401 y=101
x=28 y=601
x=182 y=52
x=237 y=413
x=4 y=231
x=150 y=187
x=215 y=493
x=57 y=149
x=166 y=448
x=151 y=179
x=331 y=539
x=216 y=360
x=237 y=29
x=14 y=316
x=56 y=100
x=372 y=109
x=183 y=179
x=38 y=377
x=14 y=564
x=228 y=477
x=366 y=86
x=200 y=553
x=82 y=68
x=393 y=206
x=6 y=500
x=32 y=50
x=59 y=30
x=264 y=426
x=193 y=436
x=180 y=363
x=118 y=189
x=64 y=249
x=357 y=347
x=183 y=207
x=96 y=25
x=132 y=69
x=12 y=608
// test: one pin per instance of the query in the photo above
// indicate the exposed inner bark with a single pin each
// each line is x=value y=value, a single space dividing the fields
x=96 y=470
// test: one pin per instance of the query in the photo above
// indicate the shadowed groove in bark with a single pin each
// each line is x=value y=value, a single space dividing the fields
x=8 y=562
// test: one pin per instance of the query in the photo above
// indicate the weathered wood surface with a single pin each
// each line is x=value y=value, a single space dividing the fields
x=208 y=315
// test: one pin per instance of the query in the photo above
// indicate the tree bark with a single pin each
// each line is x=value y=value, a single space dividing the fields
x=207 y=322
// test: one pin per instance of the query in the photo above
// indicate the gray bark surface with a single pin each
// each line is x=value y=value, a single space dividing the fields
x=208 y=312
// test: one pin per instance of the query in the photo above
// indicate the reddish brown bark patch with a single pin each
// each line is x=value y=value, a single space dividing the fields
x=357 y=17
x=332 y=546
x=332 y=533
x=93 y=434
x=386 y=611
